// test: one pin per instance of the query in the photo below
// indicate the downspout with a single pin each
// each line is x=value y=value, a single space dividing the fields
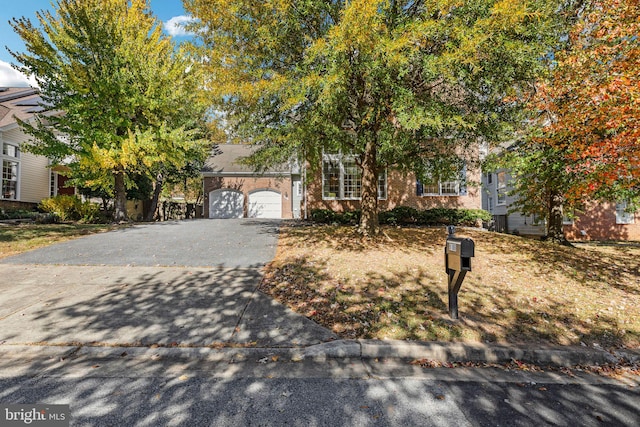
x=304 y=188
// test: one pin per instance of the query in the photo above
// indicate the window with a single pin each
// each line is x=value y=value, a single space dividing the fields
x=9 y=150
x=490 y=204
x=382 y=185
x=502 y=188
x=489 y=178
x=342 y=178
x=10 y=165
x=437 y=187
x=9 y=180
x=623 y=215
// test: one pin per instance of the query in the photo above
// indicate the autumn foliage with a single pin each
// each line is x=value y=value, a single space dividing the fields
x=593 y=101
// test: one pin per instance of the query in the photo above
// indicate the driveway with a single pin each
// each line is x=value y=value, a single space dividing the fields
x=185 y=283
x=225 y=243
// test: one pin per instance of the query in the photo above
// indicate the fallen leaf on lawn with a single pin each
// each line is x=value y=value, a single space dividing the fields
x=440 y=396
x=275 y=358
x=542 y=388
x=183 y=377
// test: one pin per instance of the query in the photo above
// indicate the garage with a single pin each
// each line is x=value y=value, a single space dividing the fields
x=265 y=204
x=226 y=203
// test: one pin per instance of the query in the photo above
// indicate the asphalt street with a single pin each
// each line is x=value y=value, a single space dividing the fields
x=263 y=389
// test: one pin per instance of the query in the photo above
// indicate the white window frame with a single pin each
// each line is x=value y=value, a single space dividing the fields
x=451 y=188
x=7 y=158
x=622 y=216
x=349 y=183
x=501 y=188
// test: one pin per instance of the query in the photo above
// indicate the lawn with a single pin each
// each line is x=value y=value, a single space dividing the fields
x=519 y=290
x=17 y=238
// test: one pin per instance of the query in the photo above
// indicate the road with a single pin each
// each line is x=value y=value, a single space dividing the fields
x=109 y=387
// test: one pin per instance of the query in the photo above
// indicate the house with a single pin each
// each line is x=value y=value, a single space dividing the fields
x=26 y=178
x=596 y=221
x=233 y=190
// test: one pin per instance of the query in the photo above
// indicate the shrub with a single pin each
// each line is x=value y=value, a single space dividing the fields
x=327 y=216
x=17 y=214
x=70 y=208
x=405 y=215
x=67 y=208
x=90 y=213
x=400 y=215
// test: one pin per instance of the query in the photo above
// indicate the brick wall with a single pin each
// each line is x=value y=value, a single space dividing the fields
x=598 y=221
x=247 y=184
x=401 y=191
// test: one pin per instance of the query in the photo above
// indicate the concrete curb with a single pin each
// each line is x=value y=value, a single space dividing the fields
x=343 y=349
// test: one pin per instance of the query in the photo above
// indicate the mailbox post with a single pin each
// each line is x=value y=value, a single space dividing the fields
x=457 y=258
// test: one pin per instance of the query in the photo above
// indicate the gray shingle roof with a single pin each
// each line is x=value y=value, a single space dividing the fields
x=224 y=160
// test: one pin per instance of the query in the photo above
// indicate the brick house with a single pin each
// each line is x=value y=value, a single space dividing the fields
x=233 y=190
x=596 y=221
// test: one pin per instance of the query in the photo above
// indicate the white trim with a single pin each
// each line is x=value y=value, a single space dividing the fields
x=623 y=217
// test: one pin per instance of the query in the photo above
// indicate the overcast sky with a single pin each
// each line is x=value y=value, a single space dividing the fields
x=170 y=12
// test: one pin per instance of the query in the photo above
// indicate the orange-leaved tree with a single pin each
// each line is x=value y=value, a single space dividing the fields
x=593 y=101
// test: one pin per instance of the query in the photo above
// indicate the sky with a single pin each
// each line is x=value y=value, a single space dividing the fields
x=168 y=11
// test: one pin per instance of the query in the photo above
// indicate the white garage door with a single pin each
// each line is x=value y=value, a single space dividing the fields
x=265 y=204
x=226 y=204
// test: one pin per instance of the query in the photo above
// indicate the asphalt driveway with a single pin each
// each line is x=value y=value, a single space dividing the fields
x=194 y=243
x=184 y=283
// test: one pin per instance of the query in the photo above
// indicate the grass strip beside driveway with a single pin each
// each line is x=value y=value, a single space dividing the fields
x=521 y=291
x=18 y=238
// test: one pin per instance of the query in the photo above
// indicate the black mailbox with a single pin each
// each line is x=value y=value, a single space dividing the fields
x=459 y=252
x=457 y=258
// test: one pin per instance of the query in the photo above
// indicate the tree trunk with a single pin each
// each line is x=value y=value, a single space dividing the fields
x=120 y=195
x=369 y=225
x=555 y=232
x=156 y=196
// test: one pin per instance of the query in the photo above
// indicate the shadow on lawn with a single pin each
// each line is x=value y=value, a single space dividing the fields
x=426 y=239
x=412 y=305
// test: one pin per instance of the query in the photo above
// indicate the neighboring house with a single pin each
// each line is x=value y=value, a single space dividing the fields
x=596 y=221
x=26 y=178
x=233 y=190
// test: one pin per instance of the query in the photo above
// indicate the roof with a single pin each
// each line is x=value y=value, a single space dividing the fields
x=225 y=160
x=19 y=102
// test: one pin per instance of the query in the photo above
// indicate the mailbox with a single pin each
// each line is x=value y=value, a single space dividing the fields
x=457 y=260
x=459 y=252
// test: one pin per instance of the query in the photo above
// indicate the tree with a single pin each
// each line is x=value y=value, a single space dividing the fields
x=593 y=102
x=394 y=83
x=539 y=179
x=130 y=102
x=584 y=141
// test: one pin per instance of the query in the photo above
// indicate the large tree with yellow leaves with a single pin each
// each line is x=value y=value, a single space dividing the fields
x=394 y=83
x=129 y=101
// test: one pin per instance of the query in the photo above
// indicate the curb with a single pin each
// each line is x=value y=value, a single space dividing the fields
x=344 y=349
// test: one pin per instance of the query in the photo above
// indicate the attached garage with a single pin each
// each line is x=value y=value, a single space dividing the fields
x=226 y=203
x=265 y=204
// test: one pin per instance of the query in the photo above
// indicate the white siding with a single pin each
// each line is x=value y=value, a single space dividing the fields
x=34 y=174
x=34 y=178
